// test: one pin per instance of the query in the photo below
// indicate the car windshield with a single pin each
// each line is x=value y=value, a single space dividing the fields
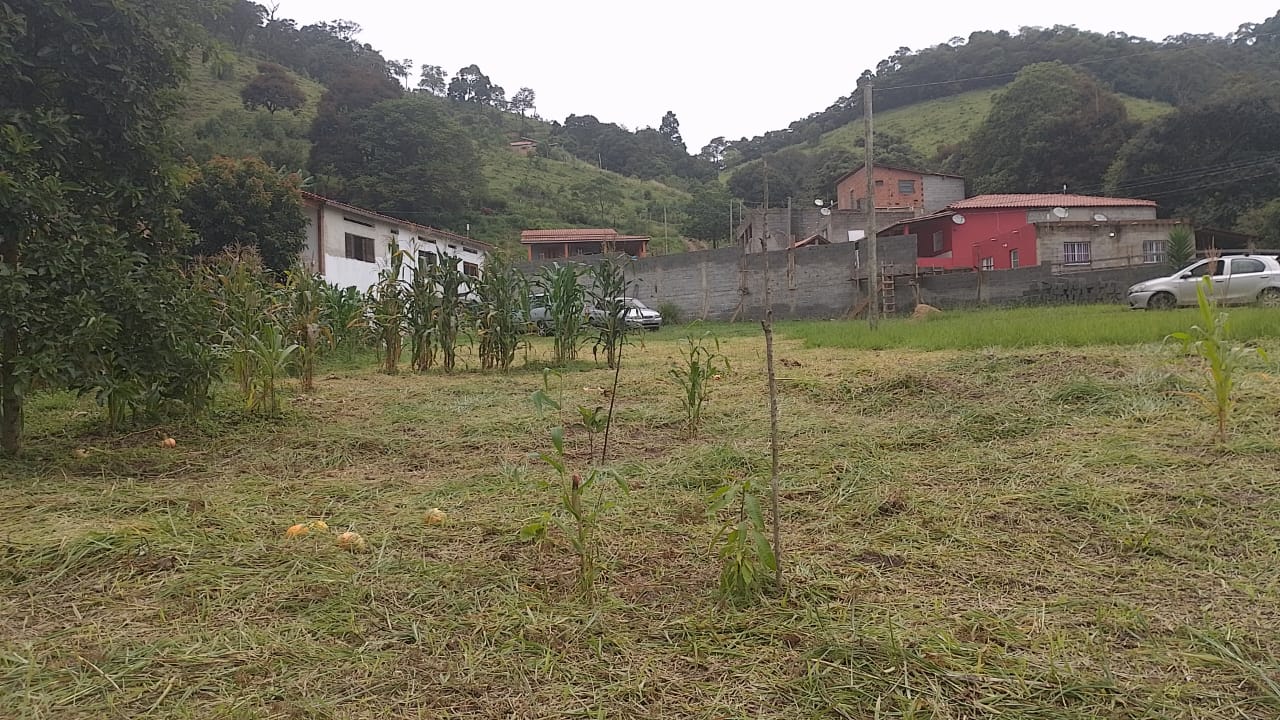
x=634 y=303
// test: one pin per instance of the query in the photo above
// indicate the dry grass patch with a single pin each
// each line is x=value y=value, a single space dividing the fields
x=1032 y=533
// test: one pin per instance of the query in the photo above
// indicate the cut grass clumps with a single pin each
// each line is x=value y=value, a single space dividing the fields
x=1008 y=533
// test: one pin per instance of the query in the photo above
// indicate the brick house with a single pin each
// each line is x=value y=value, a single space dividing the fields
x=997 y=232
x=350 y=246
x=570 y=242
x=899 y=188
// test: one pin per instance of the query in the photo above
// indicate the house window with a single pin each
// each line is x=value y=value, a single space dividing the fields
x=988 y=263
x=470 y=269
x=426 y=257
x=1013 y=258
x=938 y=242
x=360 y=248
x=1153 y=251
x=906 y=187
x=879 y=183
x=1076 y=253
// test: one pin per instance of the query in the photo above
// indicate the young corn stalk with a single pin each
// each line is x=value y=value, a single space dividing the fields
x=272 y=357
x=502 y=293
x=342 y=313
x=701 y=367
x=608 y=299
x=387 y=301
x=306 y=292
x=566 y=306
x=1210 y=339
x=422 y=307
x=452 y=284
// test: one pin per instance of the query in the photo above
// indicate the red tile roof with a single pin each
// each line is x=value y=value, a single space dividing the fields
x=1049 y=200
x=577 y=235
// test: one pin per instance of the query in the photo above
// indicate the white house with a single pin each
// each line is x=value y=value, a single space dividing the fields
x=350 y=245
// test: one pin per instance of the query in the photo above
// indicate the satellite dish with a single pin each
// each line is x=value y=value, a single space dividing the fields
x=1099 y=217
x=825 y=211
x=818 y=202
x=1060 y=212
x=957 y=219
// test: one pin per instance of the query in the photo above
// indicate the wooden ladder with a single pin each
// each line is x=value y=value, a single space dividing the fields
x=888 y=296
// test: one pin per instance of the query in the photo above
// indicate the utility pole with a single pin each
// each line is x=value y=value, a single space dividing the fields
x=873 y=262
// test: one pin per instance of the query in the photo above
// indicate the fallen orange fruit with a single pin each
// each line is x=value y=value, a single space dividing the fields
x=297 y=531
x=434 y=516
x=351 y=541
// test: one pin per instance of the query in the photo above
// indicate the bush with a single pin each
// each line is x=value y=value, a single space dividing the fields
x=671 y=313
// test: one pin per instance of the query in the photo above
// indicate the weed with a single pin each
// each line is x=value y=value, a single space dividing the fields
x=701 y=366
x=1210 y=339
x=746 y=558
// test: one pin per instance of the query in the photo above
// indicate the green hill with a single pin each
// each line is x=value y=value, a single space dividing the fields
x=551 y=189
x=932 y=124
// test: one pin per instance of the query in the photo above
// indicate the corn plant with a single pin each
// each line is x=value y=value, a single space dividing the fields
x=607 y=294
x=306 y=292
x=246 y=304
x=387 y=300
x=566 y=308
x=451 y=283
x=342 y=310
x=594 y=421
x=578 y=512
x=423 y=305
x=502 y=311
x=746 y=557
x=272 y=356
x=700 y=367
x=1210 y=339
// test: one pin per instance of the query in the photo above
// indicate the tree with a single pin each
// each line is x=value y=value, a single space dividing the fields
x=1052 y=126
x=274 y=89
x=471 y=85
x=1264 y=221
x=413 y=157
x=523 y=100
x=87 y=232
x=432 y=80
x=713 y=152
x=332 y=152
x=706 y=214
x=1181 y=247
x=670 y=129
x=244 y=202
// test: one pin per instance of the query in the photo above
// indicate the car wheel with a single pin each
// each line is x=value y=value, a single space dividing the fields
x=1269 y=297
x=543 y=327
x=1161 y=301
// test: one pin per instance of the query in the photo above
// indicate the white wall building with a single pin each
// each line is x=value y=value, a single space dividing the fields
x=349 y=246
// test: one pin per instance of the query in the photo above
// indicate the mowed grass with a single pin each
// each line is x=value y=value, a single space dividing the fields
x=1025 y=532
x=1069 y=326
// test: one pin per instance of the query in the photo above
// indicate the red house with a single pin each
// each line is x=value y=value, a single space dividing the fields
x=998 y=232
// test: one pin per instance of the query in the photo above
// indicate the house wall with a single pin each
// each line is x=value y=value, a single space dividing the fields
x=327 y=227
x=790 y=226
x=1086 y=214
x=1111 y=244
x=853 y=188
x=940 y=191
x=985 y=233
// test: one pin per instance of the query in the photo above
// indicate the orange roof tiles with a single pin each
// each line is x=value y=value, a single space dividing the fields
x=1046 y=200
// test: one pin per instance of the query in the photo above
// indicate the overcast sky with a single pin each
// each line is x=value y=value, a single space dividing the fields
x=732 y=69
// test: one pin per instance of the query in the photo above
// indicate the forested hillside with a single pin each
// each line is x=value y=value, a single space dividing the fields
x=1192 y=121
x=417 y=143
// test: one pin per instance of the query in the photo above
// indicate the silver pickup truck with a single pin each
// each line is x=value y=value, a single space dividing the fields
x=1237 y=280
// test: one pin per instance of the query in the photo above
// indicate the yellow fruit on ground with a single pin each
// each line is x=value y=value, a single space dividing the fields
x=434 y=516
x=351 y=541
x=169 y=442
x=297 y=531
x=320 y=526
x=80 y=453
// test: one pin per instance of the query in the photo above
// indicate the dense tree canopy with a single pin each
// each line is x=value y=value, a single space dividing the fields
x=273 y=89
x=706 y=215
x=87 y=228
x=1052 y=127
x=1212 y=162
x=244 y=202
x=413 y=158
